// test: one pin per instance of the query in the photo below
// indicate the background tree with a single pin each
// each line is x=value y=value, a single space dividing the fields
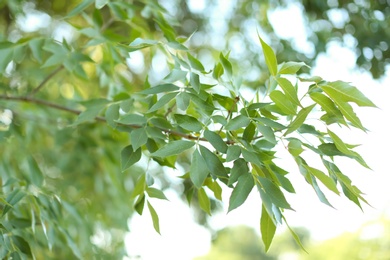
x=100 y=98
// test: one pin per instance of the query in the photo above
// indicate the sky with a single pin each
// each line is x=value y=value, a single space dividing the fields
x=182 y=238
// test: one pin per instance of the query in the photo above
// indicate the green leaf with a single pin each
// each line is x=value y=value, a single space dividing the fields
x=138 y=138
x=327 y=105
x=249 y=132
x=166 y=28
x=282 y=102
x=112 y=114
x=274 y=193
x=295 y=236
x=213 y=163
x=226 y=65
x=160 y=89
x=326 y=180
x=216 y=141
x=267 y=228
x=330 y=149
x=194 y=80
x=204 y=201
x=233 y=152
x=12 y=199
x=140 y=204
x=299 y=119
x=347 y=110
x=129 y=156
x=36 y=46
x=240 y=167
x=155 y=193
x=153 y=214
x=93 y=108
x=100 y=3
x=140 y=186
x=132 y=119
x=195 y=63
x=36 y=174
x=139 y=43
x=6 y=57
x=241 y=192
x=175 y=75
x=188 y=122
x=289 y=90
x=291 y=67
x=79 y=8
x=270 y=58
x=237 y=123
x=162 y=101
x=22 y=245
x=218 y=71
x=173 y=148
x=295 y=147
x=198 y=169
x=319 y=192
x=267 y=132
x=347 y=93
x=56 y=59
x=251 y=157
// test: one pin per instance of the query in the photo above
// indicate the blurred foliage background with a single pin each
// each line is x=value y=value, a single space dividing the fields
x=96 y=207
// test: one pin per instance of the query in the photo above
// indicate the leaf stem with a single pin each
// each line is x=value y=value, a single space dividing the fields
x=52 y=74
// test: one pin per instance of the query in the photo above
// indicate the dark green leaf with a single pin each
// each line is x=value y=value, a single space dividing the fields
x=188 y=122
x=129 y=156
x=213 y=163
x=198 y=170
x=216 y=141
x=240 y=167
x=233 y=152
x=240 y=193
x=139 y=204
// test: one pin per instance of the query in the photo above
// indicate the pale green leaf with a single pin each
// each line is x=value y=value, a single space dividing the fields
x=79 y=8
x=240 y=193
x=195 y=63
x=326 y=104
x=153 y=214
x=282 y=102
x=291 y=67
x=140 y=204
x=267 y=132
x=93 y=108
x=216 y=141
x=162 y=101
x=347 y=93
x=299 y=119
x=295 y=147
x=204 y=201
x=289 y=90
x=138 y=138
x=237 y=123
x=36 y=175
x=160 y=89
x=188 y=122
x=198 y=169
x=173 y=148
x=175 y=75
x=267 y=228
x=295 y=236
x=100 y=3
x=194 y=80
x=226 y=65
x=155 y=193
x=36 y=46
x=112 y=114
x=132 y=119
x=325 y=179
x=270 y=58
x=233 y=152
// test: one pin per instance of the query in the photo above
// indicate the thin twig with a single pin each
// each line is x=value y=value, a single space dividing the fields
x=35 y=90
x=101 y=119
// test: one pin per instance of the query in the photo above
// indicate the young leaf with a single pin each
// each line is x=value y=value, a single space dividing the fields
x=129 y=156
x=267 y=228
x=299 y=119
x=204 y=201
x=139 y=204
x=326 y=180
x=270 y=58
x=282 y=102
x=155 y=193
x=153 y=214
x=240 y=193
x=291 y=67
x=195 y=63
x=289 y=90
x=327 y=105
x=226 y=65
x=198 y=170
x=216 y=141
x=347 y=93
x=173 y=148
x=295 y=236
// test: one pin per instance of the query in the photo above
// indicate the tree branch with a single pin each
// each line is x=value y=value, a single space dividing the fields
x=35 y=90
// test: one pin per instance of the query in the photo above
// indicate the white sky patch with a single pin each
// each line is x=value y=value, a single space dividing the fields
x=33 y=20
x=136 y=62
